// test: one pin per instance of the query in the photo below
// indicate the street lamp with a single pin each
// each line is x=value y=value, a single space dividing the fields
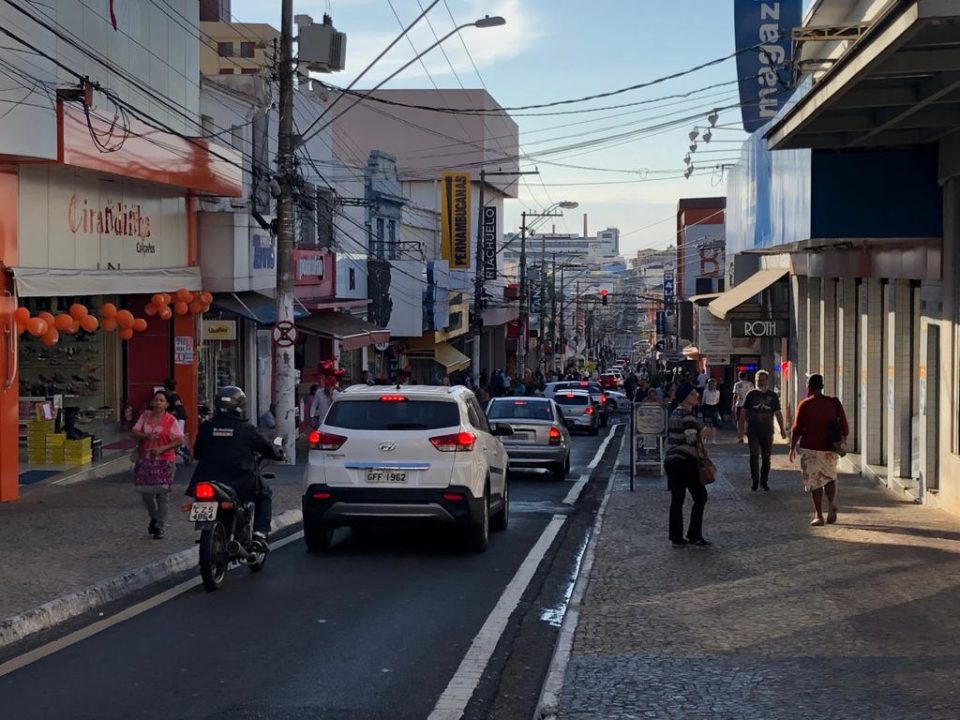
x=524 y=301
x=485 y=22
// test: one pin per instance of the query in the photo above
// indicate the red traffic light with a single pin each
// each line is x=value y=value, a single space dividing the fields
x=603 y=293
x=603 y=297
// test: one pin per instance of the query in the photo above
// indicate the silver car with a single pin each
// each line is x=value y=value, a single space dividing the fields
x=578 y=410
x=540 y=438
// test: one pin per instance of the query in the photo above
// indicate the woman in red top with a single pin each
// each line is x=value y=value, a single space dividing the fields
x=158 y=434
x=818 y=417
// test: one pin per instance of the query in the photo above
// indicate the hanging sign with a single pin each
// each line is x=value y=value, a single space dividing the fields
x=455 y=219
x=221 y=330
x=489 y=235
x=183 y=350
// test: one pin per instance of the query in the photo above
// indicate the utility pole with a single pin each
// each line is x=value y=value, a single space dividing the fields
x=524 y=302
x=553 y=312
x=479 y=266
x=285 y=373
x=562 y=331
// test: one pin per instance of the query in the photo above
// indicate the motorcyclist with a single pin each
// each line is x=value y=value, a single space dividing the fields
x=225 y=450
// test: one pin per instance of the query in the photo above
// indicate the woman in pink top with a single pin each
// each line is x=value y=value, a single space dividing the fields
x=158 y=435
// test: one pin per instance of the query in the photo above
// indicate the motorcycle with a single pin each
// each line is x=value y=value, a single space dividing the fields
x=226 y=528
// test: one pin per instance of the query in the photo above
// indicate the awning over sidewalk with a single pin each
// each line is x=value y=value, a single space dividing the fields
x=441 y=353
x=352 y=332
x=751 y=287
x=897 y=85
x=56 y=282
x=253 y=306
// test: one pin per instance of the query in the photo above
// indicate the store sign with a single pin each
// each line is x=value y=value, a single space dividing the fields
x=455 y=219
x=77 y=219
x=183 y=350
x=490 y=243
x=220 y=330
x=263 y=253
x=704 y=250
x=713 y=336
x=668 y=287
x=313 y=273
x=764 y=39
x=751 y=328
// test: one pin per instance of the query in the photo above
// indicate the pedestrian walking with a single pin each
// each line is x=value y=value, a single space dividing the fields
x=819 y=431
x=682 y=463
x=157 y=434
x=710 y=410
x=760 y=407
x=741 y=388
x=323 y=400
x=178 y=410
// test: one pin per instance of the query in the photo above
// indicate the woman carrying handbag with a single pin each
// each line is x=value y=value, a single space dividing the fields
x=158 y=435
x=688 y=468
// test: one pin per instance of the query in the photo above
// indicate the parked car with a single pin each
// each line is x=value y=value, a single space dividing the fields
x=540 y=438
x=406 y=454
x=597 y=394
x=578 y=410
x=608 y=381
x=617 y=399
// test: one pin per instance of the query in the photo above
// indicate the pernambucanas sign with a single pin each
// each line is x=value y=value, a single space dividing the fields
x=752 y=328
x=455 y=219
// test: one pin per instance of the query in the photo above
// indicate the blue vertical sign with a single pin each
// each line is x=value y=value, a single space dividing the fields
x=764 y=30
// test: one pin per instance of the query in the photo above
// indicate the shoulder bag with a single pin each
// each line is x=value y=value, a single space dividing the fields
x=835 y=431
x=708 y=471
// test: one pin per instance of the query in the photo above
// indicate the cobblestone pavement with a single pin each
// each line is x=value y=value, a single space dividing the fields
x=778 y=619
x=59 y=539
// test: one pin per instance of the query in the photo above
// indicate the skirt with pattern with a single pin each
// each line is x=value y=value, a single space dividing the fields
x=818 y=468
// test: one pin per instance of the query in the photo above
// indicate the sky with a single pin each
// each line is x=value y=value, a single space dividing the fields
x=552 y=50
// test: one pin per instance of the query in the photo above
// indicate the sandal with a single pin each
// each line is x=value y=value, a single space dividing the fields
x=817 y=522
x=832 y=514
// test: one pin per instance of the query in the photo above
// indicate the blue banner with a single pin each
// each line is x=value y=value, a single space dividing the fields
x=764 y=31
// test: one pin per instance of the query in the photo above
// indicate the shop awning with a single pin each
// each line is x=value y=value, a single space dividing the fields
x=749 y=288
x=704 y=296
x=253 y=306
x=352 y=332
x=57 y=282
x=442 y=353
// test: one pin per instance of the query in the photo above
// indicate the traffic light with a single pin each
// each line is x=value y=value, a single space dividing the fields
x=603 y=297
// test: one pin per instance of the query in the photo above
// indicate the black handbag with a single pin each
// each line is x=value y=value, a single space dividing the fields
x=835 y=431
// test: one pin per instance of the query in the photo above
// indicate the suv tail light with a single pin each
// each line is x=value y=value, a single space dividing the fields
x=454 y=442
x=204 y=491
x=325 y=441
x=603 y=398
x=588 y=410
x=393 y=398
x=554 y=436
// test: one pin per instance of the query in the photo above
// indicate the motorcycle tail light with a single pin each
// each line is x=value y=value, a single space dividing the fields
x=554 y=436
x=204 y=491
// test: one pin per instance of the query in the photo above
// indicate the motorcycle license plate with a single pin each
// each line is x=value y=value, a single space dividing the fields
x=204 y=511
x=386 y=476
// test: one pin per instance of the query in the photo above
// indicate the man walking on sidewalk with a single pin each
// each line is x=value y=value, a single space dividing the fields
x=760 y=407
x=741 y=389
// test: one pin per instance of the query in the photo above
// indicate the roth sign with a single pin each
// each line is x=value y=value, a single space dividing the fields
x=747 y=328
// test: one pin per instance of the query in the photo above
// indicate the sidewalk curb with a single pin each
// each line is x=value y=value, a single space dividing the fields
x=548 y=704
x=66 y=607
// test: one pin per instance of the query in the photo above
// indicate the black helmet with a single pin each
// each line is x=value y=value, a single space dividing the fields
x=231 y=400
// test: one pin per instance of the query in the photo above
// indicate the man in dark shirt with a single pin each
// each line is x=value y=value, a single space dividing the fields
x=761 y=406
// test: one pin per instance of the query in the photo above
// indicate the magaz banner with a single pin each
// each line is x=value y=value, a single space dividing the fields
x=455 y=219
x=764 y=35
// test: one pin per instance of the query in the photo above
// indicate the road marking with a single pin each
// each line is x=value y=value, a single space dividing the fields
x=82 y=634
x=462 y=685
x=577 y=488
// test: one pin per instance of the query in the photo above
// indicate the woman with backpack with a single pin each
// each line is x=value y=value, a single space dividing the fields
x=819 y=431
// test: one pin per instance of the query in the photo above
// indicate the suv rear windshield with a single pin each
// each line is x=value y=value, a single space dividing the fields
x=563 y=398
x=393 y=415
x=520 y=409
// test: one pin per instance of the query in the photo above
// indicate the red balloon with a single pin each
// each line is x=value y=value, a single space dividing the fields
x=47 y=318
x=206 y=298
x=139 y=325
x=196 y=307
x=109 y=324
x=125 y=319
x=50 y=338
x=150 y=309
x=63 y=322
x=22 y=315
x=165 y=298
x=108 y=310
x=181 y=308
x=74 y=327
x=78 y=311
x=184 y=295
x=157 y=299
x=37 y=326
x=165 y=313
x=126 y=333
x=89 y=324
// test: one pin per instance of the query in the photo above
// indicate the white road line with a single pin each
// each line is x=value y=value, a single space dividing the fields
x=603 y=448
x=575 y=491
x=454 y=699
x=574 y=494
x=122 y=616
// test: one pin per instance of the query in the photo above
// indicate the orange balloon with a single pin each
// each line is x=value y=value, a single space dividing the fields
x=165 y=298
x=126 y=333
x=21 y=328
x=125 y=319
x=150 y=309
x=196 y=307
x=166 y=313
x=181 y=308
x=139 y=325
x=63 y=322
x=206 y=298
x=50 y=338
x=109 y=324
x=37 y=326
x=157 y=299
x=78 y=311
x=22 y=315
x=184 y=295
x=74 y=327
x=46 y=317
x=89 y=324
x=108 y=310
x=206 y=307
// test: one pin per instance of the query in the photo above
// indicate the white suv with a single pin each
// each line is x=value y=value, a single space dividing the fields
x=412 y=453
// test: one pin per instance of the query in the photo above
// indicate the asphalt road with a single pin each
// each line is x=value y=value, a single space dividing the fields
x=375 y=629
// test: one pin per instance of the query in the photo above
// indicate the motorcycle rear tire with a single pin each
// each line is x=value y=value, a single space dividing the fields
x=214 y=560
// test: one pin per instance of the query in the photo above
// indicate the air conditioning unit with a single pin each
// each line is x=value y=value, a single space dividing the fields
x=321 y=47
